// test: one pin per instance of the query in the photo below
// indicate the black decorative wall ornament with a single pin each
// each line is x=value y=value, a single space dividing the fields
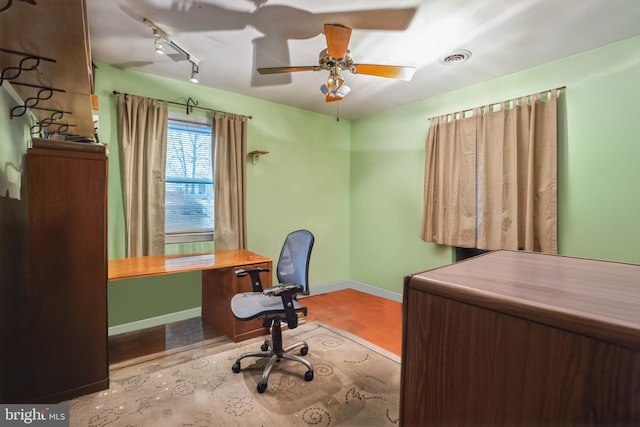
x=9 y=3
x=27 y=63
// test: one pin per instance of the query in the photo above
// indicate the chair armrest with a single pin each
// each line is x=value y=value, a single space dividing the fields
x=286 y=292
x=244 y=271
x=254 y=274
x=283 y=289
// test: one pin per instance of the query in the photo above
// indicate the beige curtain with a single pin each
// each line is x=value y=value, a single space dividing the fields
x=510 y=202
x=517 y=186
x=229 y=137
x=142 y=127
x=450 y=182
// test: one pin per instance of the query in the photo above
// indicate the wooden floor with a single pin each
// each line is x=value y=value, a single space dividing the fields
x=375 y=319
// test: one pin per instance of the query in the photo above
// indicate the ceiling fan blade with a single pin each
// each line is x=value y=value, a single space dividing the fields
x=390 y=71
x=373 y=19
x=337 y=40
x=275 y=70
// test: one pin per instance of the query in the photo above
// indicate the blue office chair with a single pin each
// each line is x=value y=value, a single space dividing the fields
x=278 y=304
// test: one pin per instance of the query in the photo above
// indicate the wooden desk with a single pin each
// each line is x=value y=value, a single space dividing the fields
x=219 y=283
x=514 y=338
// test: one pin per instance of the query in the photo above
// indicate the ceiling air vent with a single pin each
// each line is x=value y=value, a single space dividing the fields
x=456 y=57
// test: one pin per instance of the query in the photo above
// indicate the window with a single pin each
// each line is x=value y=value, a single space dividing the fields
x=189 y=181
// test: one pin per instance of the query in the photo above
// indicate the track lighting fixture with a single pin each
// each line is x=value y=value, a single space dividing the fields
x=164 y=45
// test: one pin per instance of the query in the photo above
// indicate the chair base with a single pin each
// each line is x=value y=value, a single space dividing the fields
x=276 y=354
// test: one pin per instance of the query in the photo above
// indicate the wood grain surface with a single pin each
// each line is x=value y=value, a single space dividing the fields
x=519 y=339
x=157 y=265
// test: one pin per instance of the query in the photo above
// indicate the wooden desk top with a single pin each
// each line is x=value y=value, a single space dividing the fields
x=157 y=265
x=594 y=298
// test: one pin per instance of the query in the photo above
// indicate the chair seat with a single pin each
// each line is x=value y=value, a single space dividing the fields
x=250 y=305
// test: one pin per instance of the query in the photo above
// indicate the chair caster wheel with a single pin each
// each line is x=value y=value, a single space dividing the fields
x=308 y=376
x=264 y=347
x=261 y=387
x=236 y=367
x=304 y=351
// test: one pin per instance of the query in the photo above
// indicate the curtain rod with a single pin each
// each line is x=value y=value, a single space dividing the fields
x=189 y=104
x=493 y=103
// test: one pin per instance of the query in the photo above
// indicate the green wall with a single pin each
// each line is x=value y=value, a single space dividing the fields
x=599 y=153
x=358 y=185
x=14 y=140
x=302 y=183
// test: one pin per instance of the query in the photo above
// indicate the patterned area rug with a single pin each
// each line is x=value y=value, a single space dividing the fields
x=355 y=384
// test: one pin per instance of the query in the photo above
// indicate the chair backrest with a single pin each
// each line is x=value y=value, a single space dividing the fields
x=293 y=264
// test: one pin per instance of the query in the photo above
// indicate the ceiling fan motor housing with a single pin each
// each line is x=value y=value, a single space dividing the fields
x=327 y=62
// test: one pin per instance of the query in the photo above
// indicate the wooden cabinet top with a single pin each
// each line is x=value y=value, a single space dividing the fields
x=157 y=265
x=590 y=297
x=66 y=149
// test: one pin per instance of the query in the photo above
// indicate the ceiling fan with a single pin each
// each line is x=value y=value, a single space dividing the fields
x=336 y=58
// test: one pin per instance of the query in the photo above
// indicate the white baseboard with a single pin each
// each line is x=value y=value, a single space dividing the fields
x=155 y=321
x=196 y=311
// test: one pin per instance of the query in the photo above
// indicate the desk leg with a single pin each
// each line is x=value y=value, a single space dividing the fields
x=218 y=287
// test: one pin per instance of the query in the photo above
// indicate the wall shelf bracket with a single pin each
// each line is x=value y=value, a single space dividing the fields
x=255 y=154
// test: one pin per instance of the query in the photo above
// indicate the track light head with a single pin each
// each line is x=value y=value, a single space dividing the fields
x=195 y=71
x=159 y=45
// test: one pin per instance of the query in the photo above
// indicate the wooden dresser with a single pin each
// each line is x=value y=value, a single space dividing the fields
x=522 y=339
x=66 y=296
x=52 y=302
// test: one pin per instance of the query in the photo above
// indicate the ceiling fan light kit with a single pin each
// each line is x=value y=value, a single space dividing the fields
x=337 y=58
x=335 y=94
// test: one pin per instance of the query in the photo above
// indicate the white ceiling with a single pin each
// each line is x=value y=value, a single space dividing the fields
x=504 y=36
